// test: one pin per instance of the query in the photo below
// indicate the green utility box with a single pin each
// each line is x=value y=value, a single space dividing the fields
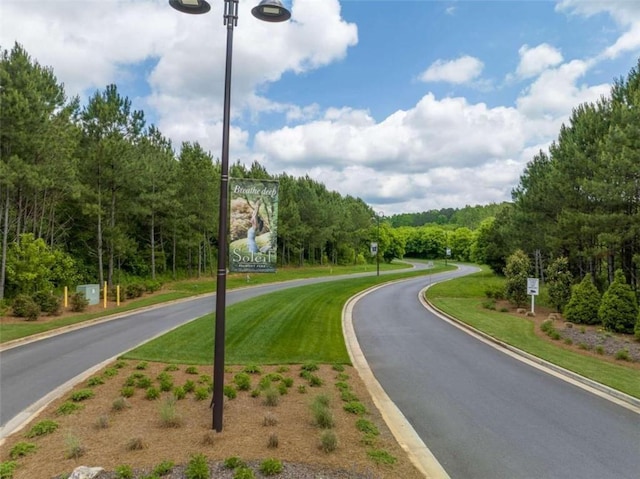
x=91 y=292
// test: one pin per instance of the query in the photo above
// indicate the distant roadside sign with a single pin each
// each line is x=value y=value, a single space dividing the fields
x=533 y=286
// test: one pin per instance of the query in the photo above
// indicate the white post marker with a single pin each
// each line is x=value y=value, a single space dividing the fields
x=533 y=287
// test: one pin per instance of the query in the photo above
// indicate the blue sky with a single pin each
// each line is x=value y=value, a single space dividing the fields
x=409 y=105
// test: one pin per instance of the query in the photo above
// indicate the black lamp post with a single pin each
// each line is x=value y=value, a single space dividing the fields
x=270 y=11
x=378 y=215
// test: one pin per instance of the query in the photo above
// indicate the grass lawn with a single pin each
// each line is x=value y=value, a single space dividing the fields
x=291 y=326
x=462 y=298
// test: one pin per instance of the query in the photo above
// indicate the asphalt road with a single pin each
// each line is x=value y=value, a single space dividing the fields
x=484 y=414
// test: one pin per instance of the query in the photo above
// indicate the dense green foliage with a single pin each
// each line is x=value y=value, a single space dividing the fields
x=619 y=307
x=584 y=303
x=559 y=280
x=97 y=184
x=517 y=272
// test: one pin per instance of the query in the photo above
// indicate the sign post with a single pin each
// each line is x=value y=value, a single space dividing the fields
x=533 y=288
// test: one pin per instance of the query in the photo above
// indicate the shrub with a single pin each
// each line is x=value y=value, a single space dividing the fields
x=495 y=292
x=271 y=397
x=102 y=422
x=179 y=392
x=192 y=370
x=172 y=367
x=189 y=386
x=272 y=441
x=152 y=393
x=67 y=408
x=124 y=471
x=82 y=395
x=135 y=444
x=49 y=303
x=144 y=382
x=230 y=392
x=271 y=467
x=584 y=303
x=322 y=416
x=269 y=420
x=243 y=381
x=328 y=441
x=599 y=350
x=367 y=427
x=95 y=381
x=24 y=307
x=127 y=391
x=309 y=366
x=623 y=355
x=619 y=307
x=120 y=404
x=110 y=372
x=380 y=456
x=355 y=407
x=558 y=282
x=516 y=272
x=201 y=393
x=42 y=428
x=252 y=369
x=142 y=365
x=348 y=396
x=169 y=416
x=338 y=367
x=78 y=302
x=197 y=468
x=244 y=473
x=21 y=449
x=151 y=286
x=75 y=449
x=134 y=290
x=233 y=462
x=315 y=381
x=7 y=468
x=164 y=468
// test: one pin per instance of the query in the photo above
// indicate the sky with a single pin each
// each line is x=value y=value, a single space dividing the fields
x=408 y=105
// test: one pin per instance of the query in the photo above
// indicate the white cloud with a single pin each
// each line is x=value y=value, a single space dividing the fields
x=534 y=61
x=461 y=70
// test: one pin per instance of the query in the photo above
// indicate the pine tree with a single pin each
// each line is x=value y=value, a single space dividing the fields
x=619 y=308
x=584 y=303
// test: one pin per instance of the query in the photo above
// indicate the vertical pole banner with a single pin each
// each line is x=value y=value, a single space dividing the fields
x=253 y=225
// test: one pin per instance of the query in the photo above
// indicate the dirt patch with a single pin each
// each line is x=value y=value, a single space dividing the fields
x=106 y=436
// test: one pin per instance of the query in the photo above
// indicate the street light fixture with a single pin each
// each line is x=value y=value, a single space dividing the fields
x=270 y=11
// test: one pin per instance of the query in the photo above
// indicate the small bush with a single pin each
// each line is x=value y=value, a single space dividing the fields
x=110 y=372
x=142 y=365
x=323 y=417
x=271 y=397
x=288 y=382
x=143 y=382
x=164 y=468
x=42 y=428
x=328 y=441
x=489 y=304
x=380 y=456
x=201 y=393
x=78 y=302
x=338 y=367
x=309 y=366
x=315 y=381
x=49 y=303
x=136 y=444
x=127 y=391
x=134 y=290
x=599 y=350
x=271 y=467
x=233 y=462
x=342 y=385
x=102 y=422
x=67 y=408
x=367 y=427
x=252 y=369
x=95 y=381
x=302 y=389
x=172 y=367
x=179 y=392
x=25 y=307
x=269 y=419
x=230 y=392
x=355 y=407
x=124 y=471
x=75 y=449
x=197 y=468
x=192 y=370
x=151 y=286
x=152 y=393
x=7 y=468
x=348 y=396
x=244 y=473
x=272 y=441
x=623 y=355
x=169 y=416
x=82 y=395
x=120 y=404
x=243 y=381
x=189 y=386
x=21 y=449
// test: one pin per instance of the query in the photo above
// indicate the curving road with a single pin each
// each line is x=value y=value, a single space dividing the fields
x=482 y=413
